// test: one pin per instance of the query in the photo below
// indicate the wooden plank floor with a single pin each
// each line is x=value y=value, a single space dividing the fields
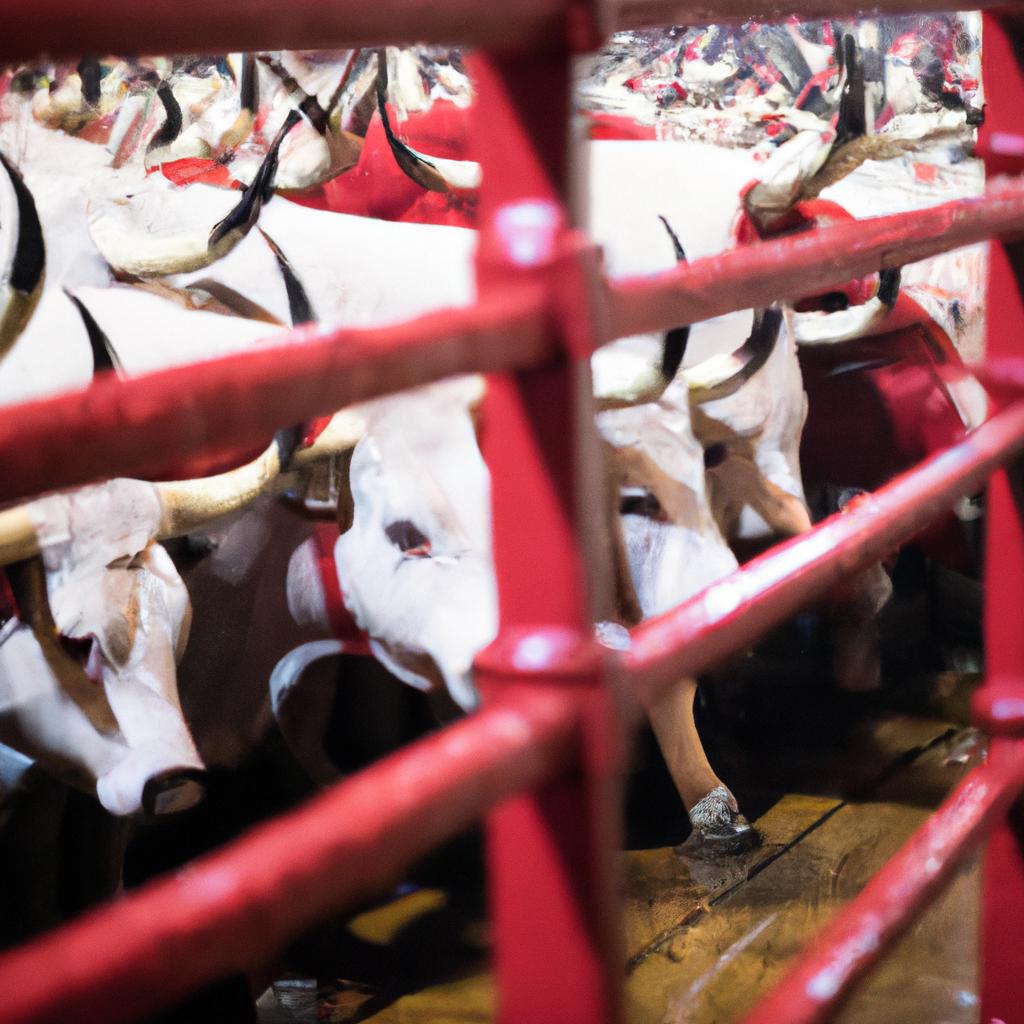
x=705 y=935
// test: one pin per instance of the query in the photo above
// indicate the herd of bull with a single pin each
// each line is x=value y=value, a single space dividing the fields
x=123 y=251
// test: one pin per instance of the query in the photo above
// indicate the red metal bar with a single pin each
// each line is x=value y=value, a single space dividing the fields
x=233 y=910
x=801 y=265
x=66 y=28
x=1002 y=901
x=999 y=704
x=120 y=428
x=862 y=931
x=735 y=611
x=123 y=428
x=552 y=852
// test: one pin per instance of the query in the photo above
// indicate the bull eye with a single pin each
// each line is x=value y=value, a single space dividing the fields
x=408 y=538
x=639 y=502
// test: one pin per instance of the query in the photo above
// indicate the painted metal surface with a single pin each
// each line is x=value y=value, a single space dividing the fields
x=65 y=28
x=999 y=705
x=552 y=851
x=982 y=803
x=121 y=428
x=233 y=910
x=68 y=29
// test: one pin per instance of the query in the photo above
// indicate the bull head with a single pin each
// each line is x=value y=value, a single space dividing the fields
x=103 y=588
x=415 y=562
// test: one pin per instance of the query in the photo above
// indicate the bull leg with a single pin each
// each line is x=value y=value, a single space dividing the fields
x=713 y=811
x=858 y=663
x=857 y=659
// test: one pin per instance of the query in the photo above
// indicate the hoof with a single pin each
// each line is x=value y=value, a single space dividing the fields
x=716 y=819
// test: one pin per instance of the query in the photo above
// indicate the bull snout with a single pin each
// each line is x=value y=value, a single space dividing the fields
x=153 y=782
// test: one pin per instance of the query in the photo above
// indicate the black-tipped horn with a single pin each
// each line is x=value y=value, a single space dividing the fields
x=89 y=73
x=674 y=347
x=309 y=105
x=852 y=120
x=249 y=90
x=299 y=306
x=719 y=377
x=889 y=286
x=423 y=172
x=171 y=128
x=677 y=246
x=29 y=261
x=247 y=211
x=104 y=355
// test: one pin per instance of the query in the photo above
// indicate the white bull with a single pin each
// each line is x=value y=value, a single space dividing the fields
x=112 y=718
x=415 y=569
x=414 y=488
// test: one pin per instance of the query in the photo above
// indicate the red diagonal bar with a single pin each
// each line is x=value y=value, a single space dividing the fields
x=801 y=265
x=121 y=428
x=233 y=910
x=862 y=931
x=734 y=612
x=68 y=28
x=125 y=428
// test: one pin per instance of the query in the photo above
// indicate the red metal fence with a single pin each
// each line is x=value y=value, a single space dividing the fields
x=542 y=761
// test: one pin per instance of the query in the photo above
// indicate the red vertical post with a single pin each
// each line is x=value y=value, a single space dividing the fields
x=999 y=703
x=552 y=852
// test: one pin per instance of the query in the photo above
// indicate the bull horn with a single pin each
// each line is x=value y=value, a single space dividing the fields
x=430 y=172
x=852 y=120
x=190 y=504
x=639 y=381
x=121 y=228
x=186 y=505
x=817 y=328
x=248 y=95
x=18 y=539
x=723 y=375
x=23 y=267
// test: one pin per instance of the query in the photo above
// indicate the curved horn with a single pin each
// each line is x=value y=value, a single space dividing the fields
x=723 y=375
x=21 y=276
x=186 y=505
x=674 y=347
x=852 y=120
x=18 y=539
x=189 y=504
x=434 y=173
